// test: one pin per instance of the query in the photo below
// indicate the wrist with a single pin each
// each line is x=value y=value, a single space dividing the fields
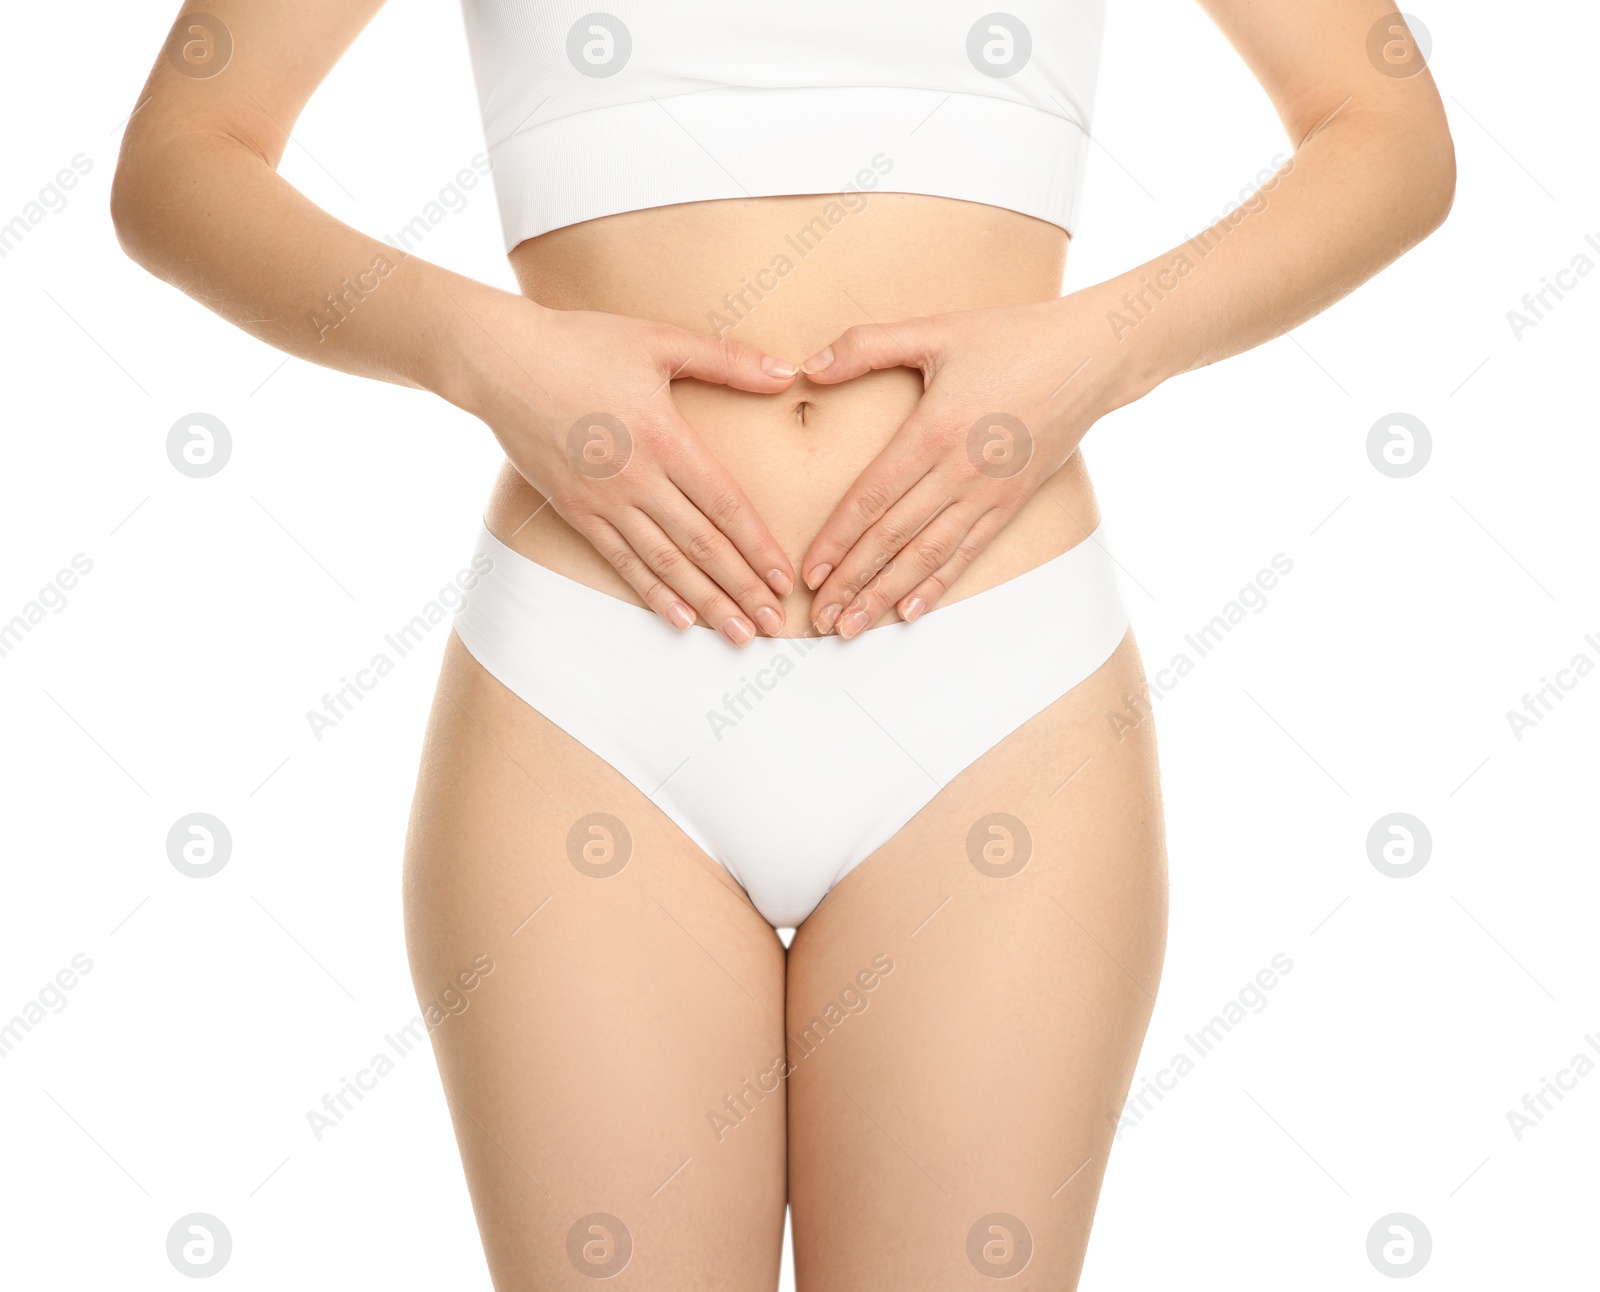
x=475 y=366
x=1124 y=340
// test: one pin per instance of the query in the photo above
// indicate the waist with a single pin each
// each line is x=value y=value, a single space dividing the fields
x=779 y=274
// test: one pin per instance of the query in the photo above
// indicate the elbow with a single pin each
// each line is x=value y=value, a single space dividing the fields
x=129 y=214
x=1409 y=160
x=143 y=212
x=1435 y=180
x=167 y=186
x=140 y=218
x=1423 y=171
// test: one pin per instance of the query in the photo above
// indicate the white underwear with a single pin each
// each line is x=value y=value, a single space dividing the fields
x=792 y=760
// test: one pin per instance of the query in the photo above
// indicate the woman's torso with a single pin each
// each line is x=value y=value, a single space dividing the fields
x=777 y=273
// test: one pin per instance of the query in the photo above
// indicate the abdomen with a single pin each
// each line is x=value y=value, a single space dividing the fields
x=788 y=275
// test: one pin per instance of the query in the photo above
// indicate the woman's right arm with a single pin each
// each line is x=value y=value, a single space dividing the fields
x=197 y=201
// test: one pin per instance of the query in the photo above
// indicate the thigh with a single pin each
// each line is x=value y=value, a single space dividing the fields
x=966 y=1009
x=602 y=1001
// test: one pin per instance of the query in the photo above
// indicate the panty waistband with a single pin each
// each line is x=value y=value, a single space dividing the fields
x=1052 y=596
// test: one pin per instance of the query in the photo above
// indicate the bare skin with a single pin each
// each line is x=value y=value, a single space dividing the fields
x=593 y=1073
x=613 y=1085
x=796 y=453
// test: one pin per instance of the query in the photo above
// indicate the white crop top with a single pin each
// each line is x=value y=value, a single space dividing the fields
x=653 y=102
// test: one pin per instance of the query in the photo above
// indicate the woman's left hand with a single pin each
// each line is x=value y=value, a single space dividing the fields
x=1008 y=392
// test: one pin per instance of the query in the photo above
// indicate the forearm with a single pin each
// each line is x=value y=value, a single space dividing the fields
x=209 y=215
x=1357 y=193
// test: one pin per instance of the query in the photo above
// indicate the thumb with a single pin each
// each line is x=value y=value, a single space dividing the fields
x=725 y=361
x=868 y=346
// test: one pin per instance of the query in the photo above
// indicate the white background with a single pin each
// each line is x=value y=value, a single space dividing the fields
x=177 y=678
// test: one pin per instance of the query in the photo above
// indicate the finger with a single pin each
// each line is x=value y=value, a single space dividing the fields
x=652 y=589
x=926 y=553
x=675 y=568
x=905 y=460
x=927 y=594
x=703 y=543
x=869 y=346
x=716 y=494
x=879 y=554
x=723 y=360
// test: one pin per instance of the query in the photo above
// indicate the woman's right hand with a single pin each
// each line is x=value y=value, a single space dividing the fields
x=581 y=402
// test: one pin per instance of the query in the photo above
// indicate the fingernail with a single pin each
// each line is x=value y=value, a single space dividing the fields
x=680 y=614
x=777 y=368
x=739 y=631
x=779 y=582
x=817 y=362
x=913 y=608
x=770 y=620
x=852 y=623
x=826 y=618
x=817 y=575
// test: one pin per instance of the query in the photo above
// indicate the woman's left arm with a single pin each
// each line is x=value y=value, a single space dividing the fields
x=1009 y=392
